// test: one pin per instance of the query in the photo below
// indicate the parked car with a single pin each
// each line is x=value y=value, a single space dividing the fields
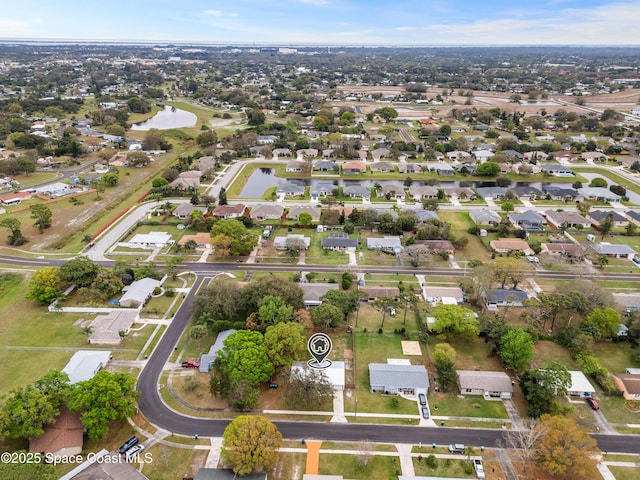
x=477 y=466
x=128 y=444
x=190 y=364
x=593 y=403
x=425 y=412
x=456 y=448
x=133 y=452
x=422 y=399
x=533 y=259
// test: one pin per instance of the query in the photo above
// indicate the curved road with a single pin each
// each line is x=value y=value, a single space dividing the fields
x=156 y=412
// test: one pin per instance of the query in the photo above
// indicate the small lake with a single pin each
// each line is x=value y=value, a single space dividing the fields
x=264 y=178
x=167 y=118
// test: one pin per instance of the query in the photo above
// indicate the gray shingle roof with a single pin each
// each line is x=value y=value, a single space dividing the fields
x=398 y=376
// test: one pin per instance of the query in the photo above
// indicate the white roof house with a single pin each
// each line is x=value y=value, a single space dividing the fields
x=85 y=364
x=335 y=374
x=394 y=379
x=495 y=385
x=138 y=292
x=580 y=385
x=106 y=328
x=149 y=240
x=207 y=359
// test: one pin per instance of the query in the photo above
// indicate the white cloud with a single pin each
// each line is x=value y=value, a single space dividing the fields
x=212 y=13
x=405 y=29
x=317 y=3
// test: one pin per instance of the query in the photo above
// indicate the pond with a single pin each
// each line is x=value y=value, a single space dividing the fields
x=264 y=178
x=168 y=117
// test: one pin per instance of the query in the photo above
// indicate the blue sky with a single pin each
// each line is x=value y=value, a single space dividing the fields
x=381 y=22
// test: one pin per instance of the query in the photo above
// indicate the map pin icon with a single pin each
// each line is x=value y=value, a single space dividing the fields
x=319 y=346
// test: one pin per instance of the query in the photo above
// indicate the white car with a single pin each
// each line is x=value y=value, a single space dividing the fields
x=477 y=466
x=533 y=259
x=134 y=452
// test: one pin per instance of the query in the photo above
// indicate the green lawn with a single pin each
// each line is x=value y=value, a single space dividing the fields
x=615 y=357
x=625 y=473
x=451 y=404
x=616 y=410
x=445 y=468
x=378 y=467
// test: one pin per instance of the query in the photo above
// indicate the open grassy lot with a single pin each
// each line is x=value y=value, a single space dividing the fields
x=172 y=462
x=290 y=465
x=625 y=473
x=371 y=319
x=460 y=223
x=615 y=357
x=443 y=404
x=615 y=409
x=378 y=468
x=446 y=468
x=546 y=351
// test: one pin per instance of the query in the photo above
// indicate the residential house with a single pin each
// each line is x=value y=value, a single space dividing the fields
x=535 y=156
x=207 y=359
x=149 y=240
x=106 y=329
x=462 y=194
x=458 y=156
x=266 y=139
x=386 y=244
x=566 y=219
x=425 y=191
x=628 y=384
x=569 y=250
x=633 y=216
x=339 y=241
x=295 y=166
x=138 y=292
x=54 y=190
x=201 y=239
x=335 y=373
x=491 y=385
x=483 y=155
x=440 y=168
x=423 y=215
x=356 y=191
x=514 y=155
x=627 y=302
x=307 y=153
x=371 y=292
x=296 y=210
x=64 y=437
x=321 y=189
x=596 y=217
x=446 y=295
x=506 y=245
x=400 y=378
x=229 y=211
x=85 y=364
x=438 y=246
x=562 y=155
x=614 y=251
x=379 y=153
x=598 y=194
x=404 y=167
x=205 y=473
x=556 y=170
x=325 y=166
x=205 y=163
x=505 y=168
x=292 y=240
x=313 y=292
x=467 y=168
x=186 y=182
x=102 y=466
x=527 y=192
x=529 y=220
x=484 y=216
x=503 y=297
x=563 y=194
x=265 y=211
x=281 y=152
x=353 y=167
x=184 y=210
x=392 y=191
x=15 y=198
x=580 y=385
x=492 y=193
x=594 y=157
x=327 y=153
x=291 y=188
x=381 y=167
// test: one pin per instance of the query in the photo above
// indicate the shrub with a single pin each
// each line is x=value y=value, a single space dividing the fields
x=432 y=462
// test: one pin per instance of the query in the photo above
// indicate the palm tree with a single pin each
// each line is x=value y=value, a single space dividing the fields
x=602 y=261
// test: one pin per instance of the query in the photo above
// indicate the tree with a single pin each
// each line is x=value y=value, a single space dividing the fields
x=326 y=315
x=516 y=349
x=220 y=300
x=507 y=207
x=388 y=113
x=523 y=442
x=506 y=271
x=454 y=321
x=44 y=285
x=27 y=470
x=488 y=169
x=197 y=333
x=542 y=385
x=251 y=295
x=285 y=343
x=256 y=117
x=347 y=302
x=154 y=140
x=240 y=240
x=207 y=138
x=245 y=356
x=444 y=357
x=564 y=448
x=110 y=179
x=606 y=225
x=606 y=320
x=308 y=388
x=28 y=409
x=80 y=271
x=138 y=159
x=384 y=305
x=107 y=283
x=222 y=197
x=598 y=182
x=250 y=443
x=104 y=398
x=16 y=238
x=305 y=219
x=272 y=310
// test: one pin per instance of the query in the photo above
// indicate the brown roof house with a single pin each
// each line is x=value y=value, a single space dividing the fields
x=628 y=384
x=506 y=245
x=229 y=211
x=371 y=293
x=353 y=166
x=105 y=329
x=62 y=437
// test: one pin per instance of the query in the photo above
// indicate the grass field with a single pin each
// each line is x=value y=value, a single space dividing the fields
x=378 y=468
x=446 y=468
x=625 y=473
x=443 y=404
